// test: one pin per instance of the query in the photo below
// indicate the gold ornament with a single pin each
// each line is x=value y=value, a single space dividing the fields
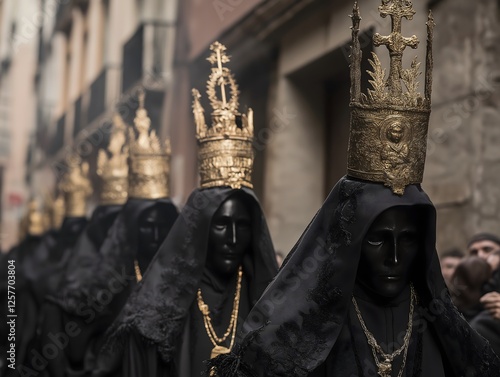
x=32 y=224
x=225 y=150
x=385 y=366
x=76 y=188
x=388 y=137
x=53 y=211
x=149 y=162
x=233 y=323
x=113 y=170
x=137 y=270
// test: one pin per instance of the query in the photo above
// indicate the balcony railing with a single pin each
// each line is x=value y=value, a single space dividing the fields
x=58 y=139
x=97 y=103
x=144 y=55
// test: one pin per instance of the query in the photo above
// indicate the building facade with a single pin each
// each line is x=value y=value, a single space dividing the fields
x=291 y=61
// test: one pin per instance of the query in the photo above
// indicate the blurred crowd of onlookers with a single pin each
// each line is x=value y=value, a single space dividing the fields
x=473 y=279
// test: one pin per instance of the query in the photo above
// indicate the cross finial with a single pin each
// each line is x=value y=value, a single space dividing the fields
x=395 y=42
x=219 y=57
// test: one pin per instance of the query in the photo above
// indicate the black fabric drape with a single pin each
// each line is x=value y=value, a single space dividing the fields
x=154 y=331
x=97 y=283
x=303 y=315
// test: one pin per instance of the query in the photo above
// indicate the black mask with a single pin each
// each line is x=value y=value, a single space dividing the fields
x=229 y=237
x=388 y=252
x=153 y=228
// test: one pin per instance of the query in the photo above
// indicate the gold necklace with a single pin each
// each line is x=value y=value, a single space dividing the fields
x=385 y=367
x=205 y=311
x=137 y=269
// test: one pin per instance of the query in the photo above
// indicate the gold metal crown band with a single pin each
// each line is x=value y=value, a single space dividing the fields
x=76 y=188
x=389 y=124
x=112 y=166
x=149 y=162
x=225 y=150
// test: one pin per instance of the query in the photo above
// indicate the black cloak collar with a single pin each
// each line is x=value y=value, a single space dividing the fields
x=157 y=309
x=297 y=321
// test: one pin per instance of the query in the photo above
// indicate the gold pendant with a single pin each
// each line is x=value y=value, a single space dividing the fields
x=385 y=368
x=219 y=350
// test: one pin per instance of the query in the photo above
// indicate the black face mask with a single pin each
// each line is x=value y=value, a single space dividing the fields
x=153 y=228
x=388 y=252
x=229 y=237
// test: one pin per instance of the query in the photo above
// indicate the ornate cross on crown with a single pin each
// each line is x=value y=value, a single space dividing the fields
x=395 y=42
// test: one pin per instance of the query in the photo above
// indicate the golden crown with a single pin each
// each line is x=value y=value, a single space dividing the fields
x=32 y=223
x=149 y=161
x=388 y=136
x=112 y=166
x=53 y=211
x=225 y=154
x=76 y=187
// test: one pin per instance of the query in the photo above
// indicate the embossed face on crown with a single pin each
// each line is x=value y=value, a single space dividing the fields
x=388 y=252
x=229 y=238
x=395 y=132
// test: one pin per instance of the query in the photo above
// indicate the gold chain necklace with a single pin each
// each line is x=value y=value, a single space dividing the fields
x=205 y=311
x=137 y=269
x=385 y=367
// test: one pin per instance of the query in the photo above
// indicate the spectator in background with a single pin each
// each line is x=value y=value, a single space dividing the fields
x=487 y=323
x=467 y=285
x=483 y=244
x=449 y=261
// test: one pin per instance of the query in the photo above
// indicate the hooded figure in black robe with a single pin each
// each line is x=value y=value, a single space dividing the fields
x=92 y=295
x=305 y=323
x=86 y=248
x=160 y=331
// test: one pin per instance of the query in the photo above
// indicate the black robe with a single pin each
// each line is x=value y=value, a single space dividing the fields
x=304 y=324
x=97 y=283
x=160 y=331
x=25 y=305
x=86 y=248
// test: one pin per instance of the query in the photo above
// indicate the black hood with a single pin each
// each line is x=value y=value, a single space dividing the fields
x=157 y=309
x=298 y=319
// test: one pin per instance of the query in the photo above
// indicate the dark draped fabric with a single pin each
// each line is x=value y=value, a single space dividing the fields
x=97 y=283
x=85 y=249
x=160 y=331
x=23 y=303
x=303 y=325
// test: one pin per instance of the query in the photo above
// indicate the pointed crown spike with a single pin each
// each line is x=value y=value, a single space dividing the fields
x=389 y=124
x=149 y=161
x=225 y=148
x=112 y=165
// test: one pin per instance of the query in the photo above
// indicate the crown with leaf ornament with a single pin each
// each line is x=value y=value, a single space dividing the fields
x=149 y=161
x=225 y=153
x=75 y=186
x=389 y=124
x=112 y=166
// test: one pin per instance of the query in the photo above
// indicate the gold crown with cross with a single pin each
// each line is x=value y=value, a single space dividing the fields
x=112 y=166
x=225 y=155
x=149 y=160
x=389 y=124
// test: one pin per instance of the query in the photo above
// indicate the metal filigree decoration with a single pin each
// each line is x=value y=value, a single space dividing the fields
x=149 y=161
x=225 y=149
x=389 y=124
x=76 y=187
x=53 y=211
x=112 y=166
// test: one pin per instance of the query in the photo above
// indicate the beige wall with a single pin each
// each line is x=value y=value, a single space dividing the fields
x=18 y=84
